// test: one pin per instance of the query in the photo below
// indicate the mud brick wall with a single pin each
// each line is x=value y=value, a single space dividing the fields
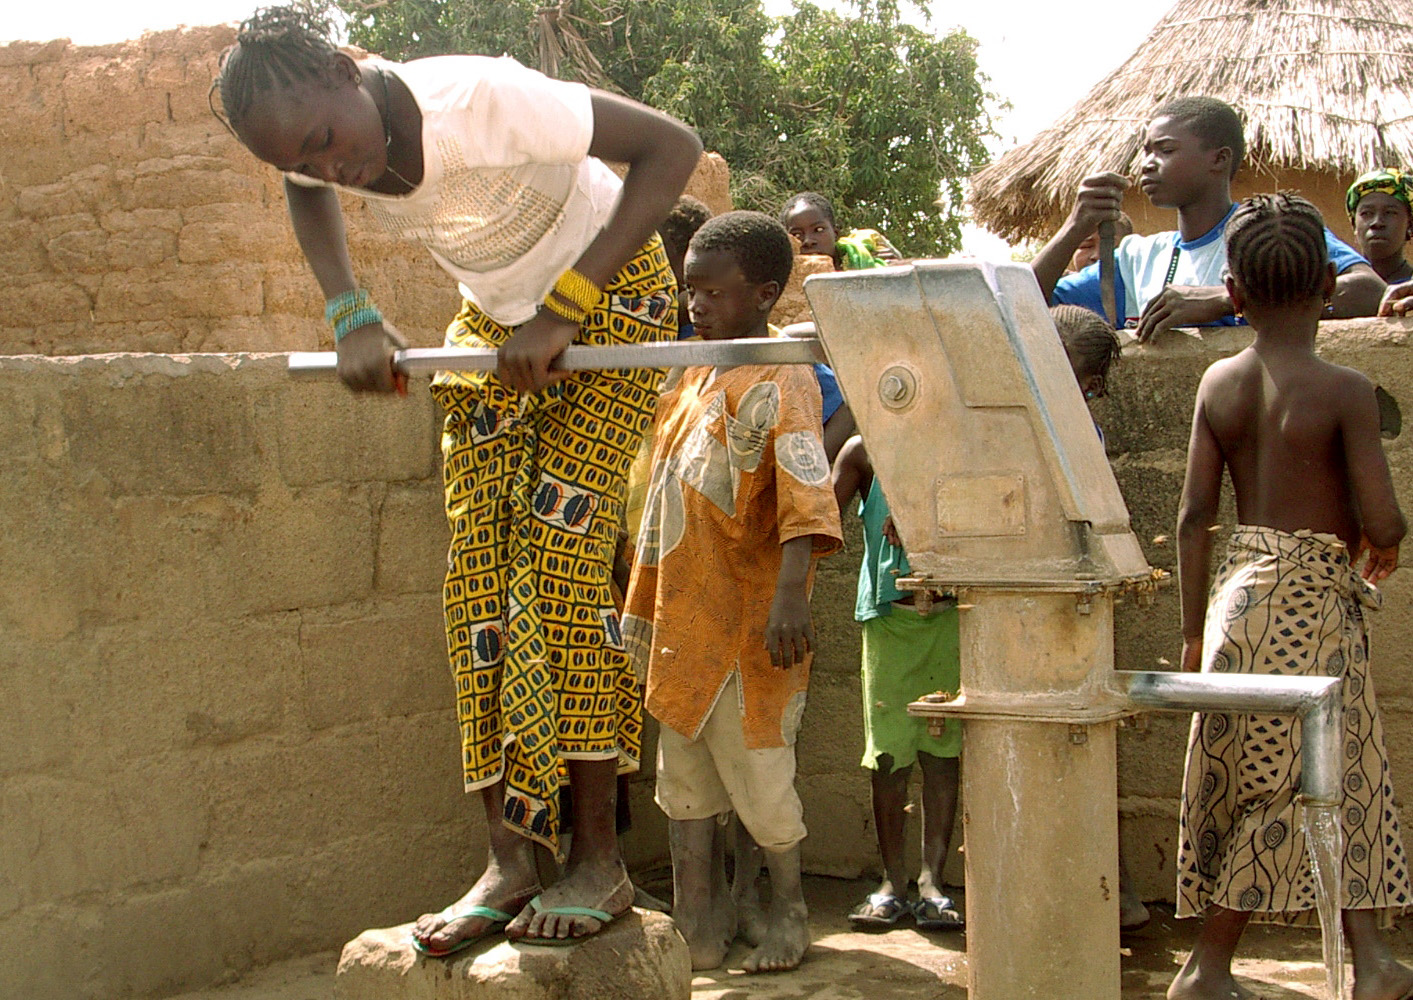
x=131 y=220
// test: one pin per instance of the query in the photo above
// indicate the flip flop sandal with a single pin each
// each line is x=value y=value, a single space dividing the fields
x=601 y=916
x=938 y=913
x=499 y=919
x=881 y=909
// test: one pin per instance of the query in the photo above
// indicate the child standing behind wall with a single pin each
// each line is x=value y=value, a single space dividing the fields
x=1191 y=151
x=809 y=217
x=1300 y=438
x=1092 y=347
x=908 y=653
x=718 y=606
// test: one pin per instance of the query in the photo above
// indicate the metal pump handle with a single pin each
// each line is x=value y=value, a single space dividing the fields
x=674 y=354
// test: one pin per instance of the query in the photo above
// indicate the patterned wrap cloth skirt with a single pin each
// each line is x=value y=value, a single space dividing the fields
x=534 y=489
x=1286 y=604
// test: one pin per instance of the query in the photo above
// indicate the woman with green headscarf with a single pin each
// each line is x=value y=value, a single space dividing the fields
x=1380 y=205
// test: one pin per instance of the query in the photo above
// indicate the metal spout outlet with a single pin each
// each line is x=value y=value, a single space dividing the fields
x=1316 y=700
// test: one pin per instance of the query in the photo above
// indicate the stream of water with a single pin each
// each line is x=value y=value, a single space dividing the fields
x=1324 y=841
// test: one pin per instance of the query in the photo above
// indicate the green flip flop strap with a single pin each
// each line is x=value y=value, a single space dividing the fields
x=572 y=911
x=488 y=912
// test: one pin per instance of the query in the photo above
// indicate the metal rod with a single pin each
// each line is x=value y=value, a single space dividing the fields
x=1108 y=297
x=1315 y=699
x=673 y=354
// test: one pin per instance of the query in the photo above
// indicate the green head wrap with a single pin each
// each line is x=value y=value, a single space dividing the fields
x=1389 y=180
x=860 y=249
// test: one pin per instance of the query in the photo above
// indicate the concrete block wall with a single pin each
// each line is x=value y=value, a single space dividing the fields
x=231 y=736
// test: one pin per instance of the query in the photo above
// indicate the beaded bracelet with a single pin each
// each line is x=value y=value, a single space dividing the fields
x=350 y=310
x=567 y=310
x=576 y=288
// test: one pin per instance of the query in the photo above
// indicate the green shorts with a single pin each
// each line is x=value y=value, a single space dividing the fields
x=906 y=655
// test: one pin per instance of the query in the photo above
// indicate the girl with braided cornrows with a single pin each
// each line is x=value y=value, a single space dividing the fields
x=1300 y=438
x=497 y=171
x=1090 y=345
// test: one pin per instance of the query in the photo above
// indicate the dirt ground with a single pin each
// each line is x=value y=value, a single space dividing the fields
x=902 y=964
x=1275 y=963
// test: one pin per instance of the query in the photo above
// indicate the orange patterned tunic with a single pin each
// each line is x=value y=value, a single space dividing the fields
x=738 y=469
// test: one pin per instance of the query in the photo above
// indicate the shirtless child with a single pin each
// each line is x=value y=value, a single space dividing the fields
x=1300 y=438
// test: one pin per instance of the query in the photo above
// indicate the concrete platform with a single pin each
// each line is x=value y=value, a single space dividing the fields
x=904 y=964
x=640 y=956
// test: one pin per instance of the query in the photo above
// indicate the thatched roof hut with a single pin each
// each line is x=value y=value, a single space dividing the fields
x=1323 y=86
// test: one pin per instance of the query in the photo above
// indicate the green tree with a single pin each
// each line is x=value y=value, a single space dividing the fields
x=878 y=114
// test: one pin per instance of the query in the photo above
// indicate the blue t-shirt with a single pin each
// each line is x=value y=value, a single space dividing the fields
x=1142 y=264
x=828 y=390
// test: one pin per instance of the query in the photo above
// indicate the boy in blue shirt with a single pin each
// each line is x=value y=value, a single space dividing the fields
x=1191 y=151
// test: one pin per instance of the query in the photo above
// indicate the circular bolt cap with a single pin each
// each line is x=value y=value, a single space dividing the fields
x=896 y=387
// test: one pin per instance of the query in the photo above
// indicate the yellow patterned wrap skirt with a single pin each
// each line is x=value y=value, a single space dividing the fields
x=1287 y=604
x=534 y=488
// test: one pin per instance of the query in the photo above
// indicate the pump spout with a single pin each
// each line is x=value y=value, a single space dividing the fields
x=1316 y=700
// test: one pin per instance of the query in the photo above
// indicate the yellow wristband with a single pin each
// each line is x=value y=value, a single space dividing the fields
x=578 y=289
x=570 y=312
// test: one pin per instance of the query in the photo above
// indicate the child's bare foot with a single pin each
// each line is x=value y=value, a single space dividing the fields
x=708 y=930
x=1189 y=985
x=1133 y=915
x=602 y=886
x=1390 y=981
x=645 y=900
x=496 y=889
x=786 y=939
x=751 y=921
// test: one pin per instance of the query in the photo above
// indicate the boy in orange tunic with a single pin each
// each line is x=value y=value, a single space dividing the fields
x=718 y=608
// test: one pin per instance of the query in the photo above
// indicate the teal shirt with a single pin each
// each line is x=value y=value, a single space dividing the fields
x=883 y=562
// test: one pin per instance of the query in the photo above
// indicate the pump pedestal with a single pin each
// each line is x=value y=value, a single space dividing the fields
x=1001 y=491
x=1040 y=809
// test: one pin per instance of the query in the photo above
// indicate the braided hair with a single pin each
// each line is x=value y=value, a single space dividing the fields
x=810 y=199
x=276 y=47
x=1090 y=342
x=1276 y=249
